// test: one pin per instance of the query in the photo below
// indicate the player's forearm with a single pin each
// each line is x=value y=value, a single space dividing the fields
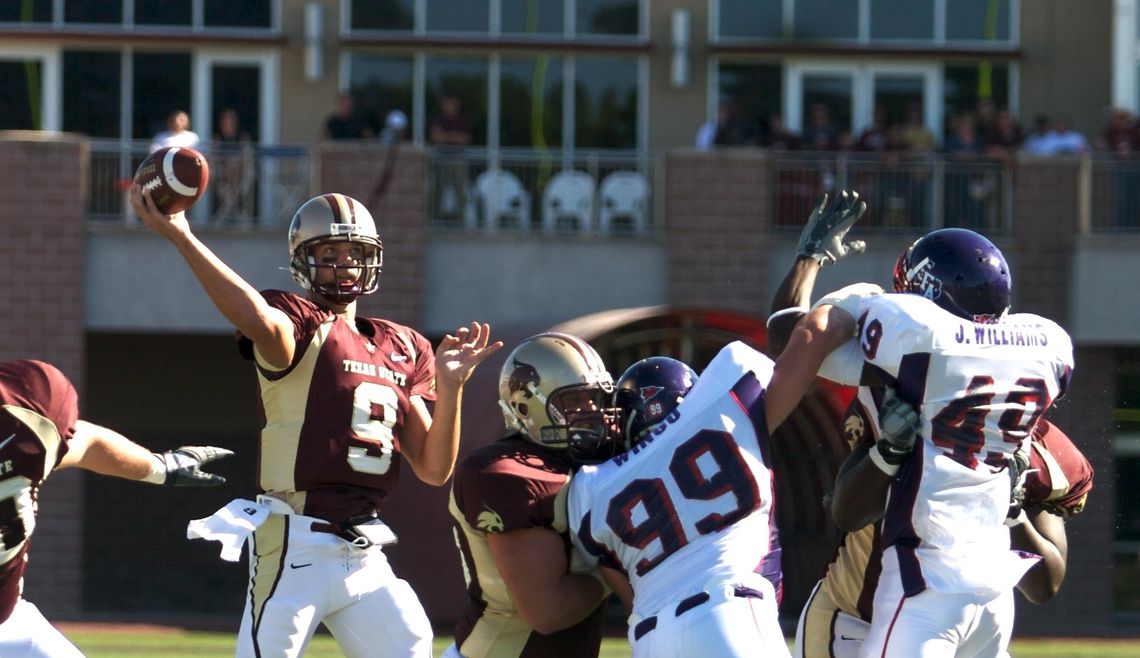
x=102 y=450
x=577 y=596
x=1042 y=582
x=794 y=293
x=860 y=493
x=436 y=459
x=818 y=334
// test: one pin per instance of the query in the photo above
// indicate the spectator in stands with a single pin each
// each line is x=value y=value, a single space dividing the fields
x=916 y=137
x=177 y=132
x=1119 y=138
x=344 y=123
x=968 y=190
x=875 y=139
x=234 y=166
x=1038 y=141
x=727 y=129
x=777 y=137
x=1004 y=139
x=450 y=133
x=821 y=134
x=986 y=117
x=1066 y=140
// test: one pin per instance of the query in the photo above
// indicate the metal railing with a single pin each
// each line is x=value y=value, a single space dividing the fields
x=1114 y=194
x=251 y=187
x=911 y=193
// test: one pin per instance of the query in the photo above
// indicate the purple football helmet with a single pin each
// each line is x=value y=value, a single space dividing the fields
x=648 y=391
x=958 y=269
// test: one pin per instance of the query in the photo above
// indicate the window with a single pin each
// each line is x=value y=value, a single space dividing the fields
x=450 y=16
x=29 y=11
x=902 y=19
x=751 y=18
x=164 y=12
x=161 y=85
x=91 y=98
x=238 y=13
x=394 y=15
x=21 y=94
x=532 y=17
x=464 y=79
x=826 y=19
x=964 y=86
x=531 y=102
x=978 y=20
x=381 y=84
x=754 y=91
x=84 y=11
x=608 y=17
x=605 y=103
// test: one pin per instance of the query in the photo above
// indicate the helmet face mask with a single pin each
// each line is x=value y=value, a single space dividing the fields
x=555 y=390
x=648 y=392
x=960 y=271
x=328 y=221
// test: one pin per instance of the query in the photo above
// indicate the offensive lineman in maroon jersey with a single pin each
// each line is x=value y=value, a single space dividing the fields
x=41 y=430
x=340 y=396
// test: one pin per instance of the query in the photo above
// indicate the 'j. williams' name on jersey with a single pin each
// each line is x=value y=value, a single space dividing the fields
x=373 y=370
x=988 y=334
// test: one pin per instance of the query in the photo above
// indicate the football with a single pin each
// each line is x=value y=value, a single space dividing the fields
x=175 y=176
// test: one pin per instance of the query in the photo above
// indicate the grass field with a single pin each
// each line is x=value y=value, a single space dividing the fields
x=154 y=642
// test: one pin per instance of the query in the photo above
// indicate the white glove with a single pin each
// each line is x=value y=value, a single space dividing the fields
x=180 y=467
x=822 y=237
x=899 y=424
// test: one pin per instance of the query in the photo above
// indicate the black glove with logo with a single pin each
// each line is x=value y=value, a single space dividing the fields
x=180 y=467
x=827 y=226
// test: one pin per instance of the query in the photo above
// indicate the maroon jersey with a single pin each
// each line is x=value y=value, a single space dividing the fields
x=38 y=416
x=1061 y=477
x=511 y=484
x=332 y=418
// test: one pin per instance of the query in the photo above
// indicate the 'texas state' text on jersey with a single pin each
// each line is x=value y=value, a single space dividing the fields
x=332 y=419
x=512 y=484
x=692 y=505
x=980 y=389
x=37 y=419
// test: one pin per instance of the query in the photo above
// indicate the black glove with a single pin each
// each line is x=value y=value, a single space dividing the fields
x=899 y=424
x=181 y=466
x=1018 y=466
x=828 y=224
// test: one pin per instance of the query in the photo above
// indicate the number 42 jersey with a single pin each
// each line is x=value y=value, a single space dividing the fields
x=690 y=507
x=980 y=389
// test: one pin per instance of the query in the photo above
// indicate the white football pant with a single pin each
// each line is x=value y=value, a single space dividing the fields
x=27 y=634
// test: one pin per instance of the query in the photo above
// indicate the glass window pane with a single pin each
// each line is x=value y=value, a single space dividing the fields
x=21 y=94
x=826 y=19
x=451 y=16
x=35 y=11
x=533 y=16
x=161 y=83
x=827 y=110
x=85 y=11
x=896 y=94
x=605 y=103
x=238 y=13
x=608 y=17
x=753 y=93
x=464 y=80
x=397 y=15
x=379 y=85
x=966 y=86
x=902 y=19
x=985 y=20
x=531 y=102
x=751 y=18
x=91 y=93
x=164 y=12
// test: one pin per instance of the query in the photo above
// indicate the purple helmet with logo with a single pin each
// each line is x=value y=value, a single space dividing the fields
x=958 y=269
x=648 y=391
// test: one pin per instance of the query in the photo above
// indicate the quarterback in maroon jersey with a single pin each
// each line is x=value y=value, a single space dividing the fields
x=341 y=398
x=40 y=431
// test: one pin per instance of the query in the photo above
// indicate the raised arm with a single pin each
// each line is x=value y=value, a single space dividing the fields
x=820 y=332
x=240 y=303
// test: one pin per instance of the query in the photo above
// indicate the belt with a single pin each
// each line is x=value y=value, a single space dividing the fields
x=346 y=529
x=685 y=605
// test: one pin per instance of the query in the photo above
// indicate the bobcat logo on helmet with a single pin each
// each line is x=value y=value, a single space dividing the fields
x=923 y=280
x=522 y=377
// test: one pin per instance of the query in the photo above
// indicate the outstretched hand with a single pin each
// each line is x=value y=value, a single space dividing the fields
x=153 y=218
x=183 y=466
x=460 y=353
x=827 y=226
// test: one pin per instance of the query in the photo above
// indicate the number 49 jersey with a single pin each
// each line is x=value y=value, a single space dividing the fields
x=690 y=507
x=980 y=389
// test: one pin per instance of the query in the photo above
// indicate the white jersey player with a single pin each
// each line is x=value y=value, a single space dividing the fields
x=980 y=380
x=686 y=514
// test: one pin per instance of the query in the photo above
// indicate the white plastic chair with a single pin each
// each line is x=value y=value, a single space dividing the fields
x=569 y=199
x=624 y=198
x=498 y=198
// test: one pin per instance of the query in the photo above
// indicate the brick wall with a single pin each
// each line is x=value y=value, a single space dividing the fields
x=354 y=170
x=42 y=265
x=717 y=218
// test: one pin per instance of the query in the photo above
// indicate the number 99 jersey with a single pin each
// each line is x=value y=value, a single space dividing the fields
x=980 y=389
x=690 y=507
